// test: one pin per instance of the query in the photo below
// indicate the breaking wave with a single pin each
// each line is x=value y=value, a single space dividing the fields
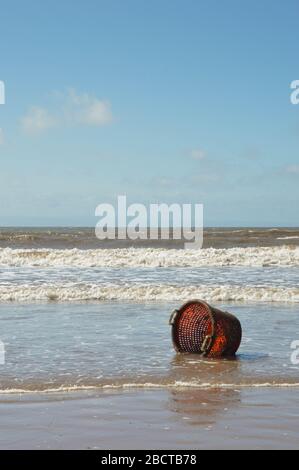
x=150 y=292
x=151 y=257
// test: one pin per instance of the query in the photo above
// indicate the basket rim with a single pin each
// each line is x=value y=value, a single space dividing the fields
x=176 y=314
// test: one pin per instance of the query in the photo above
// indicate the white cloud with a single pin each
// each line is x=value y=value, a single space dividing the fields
x=293 y=169
x=73 y=110
x=37 y=120
x=86 y=109
x=197 y=154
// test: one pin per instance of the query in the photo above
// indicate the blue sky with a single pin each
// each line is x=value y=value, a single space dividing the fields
x=165 y=101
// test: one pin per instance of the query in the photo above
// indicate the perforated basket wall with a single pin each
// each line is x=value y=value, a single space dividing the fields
x=199 y=328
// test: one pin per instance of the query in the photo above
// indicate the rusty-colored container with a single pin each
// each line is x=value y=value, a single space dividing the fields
x=199 y=328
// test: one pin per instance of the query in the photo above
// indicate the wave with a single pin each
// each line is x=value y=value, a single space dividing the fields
x=288 y=238
x=151 y=257
x=148 y=385
x=144 y=293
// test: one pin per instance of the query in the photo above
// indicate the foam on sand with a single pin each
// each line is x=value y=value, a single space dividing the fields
x=148 y=385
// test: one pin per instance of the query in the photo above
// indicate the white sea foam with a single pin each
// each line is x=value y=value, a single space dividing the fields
x=148 y=385
x=287 y=238
x=149 y=292
x=151 y=257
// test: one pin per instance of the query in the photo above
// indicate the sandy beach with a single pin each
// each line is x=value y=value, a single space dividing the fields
x=153 y=419
x=89 y=362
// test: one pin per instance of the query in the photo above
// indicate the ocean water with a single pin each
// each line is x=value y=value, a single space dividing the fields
x=78 y=314
x=84 y=238
x=105 y=346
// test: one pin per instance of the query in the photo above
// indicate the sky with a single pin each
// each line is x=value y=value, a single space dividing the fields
x=165 y=101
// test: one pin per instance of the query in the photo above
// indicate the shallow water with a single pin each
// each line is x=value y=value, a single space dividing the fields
x=76 y=315
x=121 y=345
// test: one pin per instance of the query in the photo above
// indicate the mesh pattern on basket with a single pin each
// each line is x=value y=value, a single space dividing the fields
x=193 y=325
x=196 y=320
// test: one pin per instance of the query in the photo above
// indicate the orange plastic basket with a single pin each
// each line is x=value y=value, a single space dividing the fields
x=199 y=328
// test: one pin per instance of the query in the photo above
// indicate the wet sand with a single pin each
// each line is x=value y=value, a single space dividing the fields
x=263 y=418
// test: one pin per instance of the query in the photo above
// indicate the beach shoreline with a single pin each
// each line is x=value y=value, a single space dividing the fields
x=87 y=357
x=152 y=419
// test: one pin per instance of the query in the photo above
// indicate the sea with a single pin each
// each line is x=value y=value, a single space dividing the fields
x=78 y=313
